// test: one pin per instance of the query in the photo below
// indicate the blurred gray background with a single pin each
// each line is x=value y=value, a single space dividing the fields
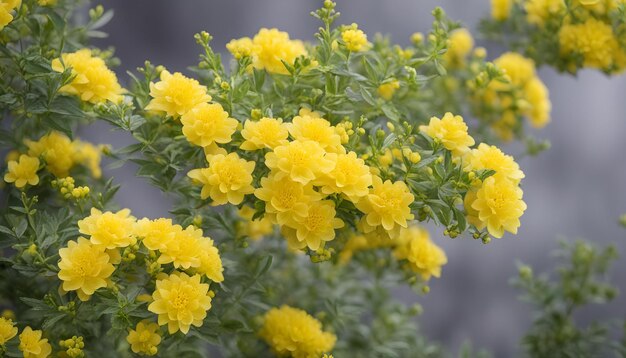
x=577 y=189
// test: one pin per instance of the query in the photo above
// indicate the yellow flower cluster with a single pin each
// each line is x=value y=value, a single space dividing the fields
x=180 y=301
x=145 y=338
x=23 y=171
x=73 y=347
x=523 y=94
x=422 y=255
x=496 y=203
x=6 y=7
x=268 y=49
x=587 y=31
x=460 y=43
x=501 y=9
x=413 y=245
x=313 y=158
x=183 y=248
x=538 y=11
x=92 y=80
x=7 y=330
x=293 y=332
x=530 y=94
x=354 y=39
x=69 y=190
x=595 y=41
x=61 y=154
x=32 y=345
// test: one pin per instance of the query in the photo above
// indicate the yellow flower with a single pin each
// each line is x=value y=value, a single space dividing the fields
x=23 y=171
x=518 y=68
x=350 y=176
x=316 y=227
x=32 y=345
x=538 y=11
x=227 y=179
x=88 y=155
x=593 y=40
x=6 y=6
x=451 y=130
x=184 y=249
x=501 y=9
x=84 y=267
x=240 y=48
x=176 y=94
x=536 y=94
x=355 y=39
x=210 y=261
x=254 y=229
x=264 y=133
x=498 y=205
x=7 y=330
x=57 y=151
x=145 y=338
x=93 y=81
x=460 y=43
x=271 y=47
x=156 y=234
x=208 y=123
x=180 y=301
x=285 y=197
x=387 y=90
x=311 y=126
x=490 y=157
x=387 y=204
x=293 y=332
x=422 y=255
x=109 y=229
x=303 y=161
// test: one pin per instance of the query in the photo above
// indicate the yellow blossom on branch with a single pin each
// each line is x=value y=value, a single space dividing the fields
x=7 y=330
x=271 y=47
x=284 y=197
x=293 y=332
x=266 y=133
x=32 y=345
x=354 y=39
x=316 y=227
x=302 y=161
x=108 y=229
x=497 y=205
x=310 y=126
x=180 y=301
x=387 y=205
x=227 y=179
x=451 y=130
x=6 y=7
x=145 y=338
x=176 y=94
x=23 y=171
x=422 y=255
x=84 y=267
x=208 y=123
x=92 y=80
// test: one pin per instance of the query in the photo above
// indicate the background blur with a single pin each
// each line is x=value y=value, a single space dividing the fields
x=577 y=189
